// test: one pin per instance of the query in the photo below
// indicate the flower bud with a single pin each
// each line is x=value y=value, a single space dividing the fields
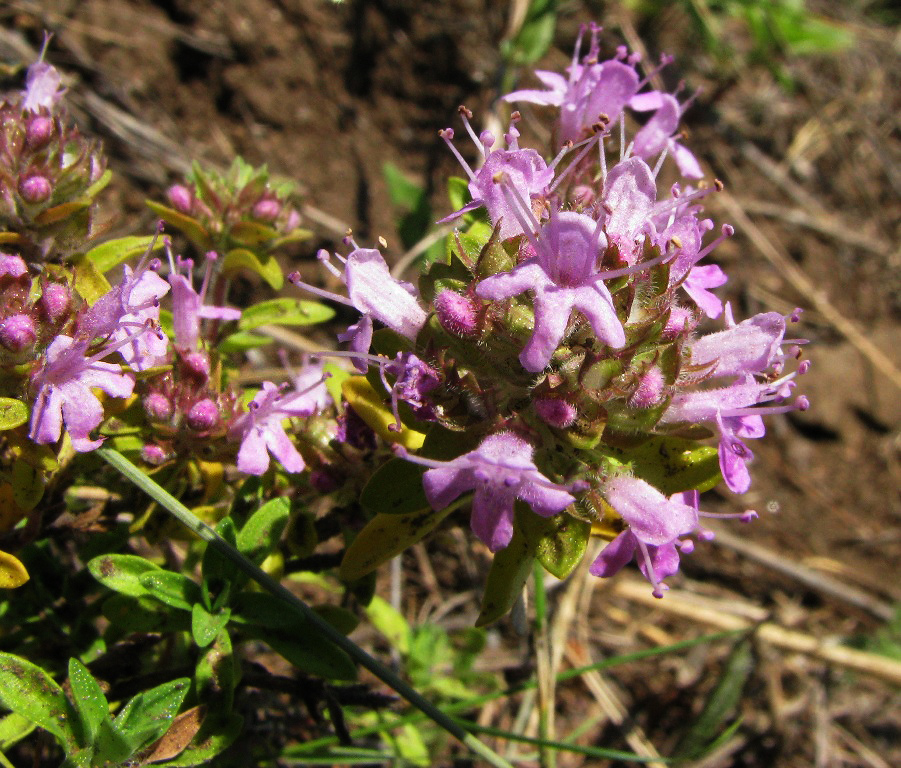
x=55 y=301
x=157 y=407
x=556 y=412
x=181 y=197
x=681 y=321
x=457 y=314
x=153 y=454
x=38 y=132
x=17 y=332
x=267 y=209
x=35 y=189
x=203 y=416
x=197 y=364
x=12 y=265
x=649 y=391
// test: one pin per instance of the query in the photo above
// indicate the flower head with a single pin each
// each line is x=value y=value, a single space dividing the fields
x=261 y=432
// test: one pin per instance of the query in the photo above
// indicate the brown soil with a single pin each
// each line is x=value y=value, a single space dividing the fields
x=326 y=93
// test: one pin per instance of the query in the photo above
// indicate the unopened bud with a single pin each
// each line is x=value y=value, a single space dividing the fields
x=153 y=454
x=35 y=189
x=181 y=197
x=197 y=364
x=267 y=209
x=55 y=301
x=681 y=321
x=649 y=391
x=17 y=332
x=457 y=314
x=158 y=407
x=38 y=131
x=556 y=412
x=12 y=265
x=203 y=416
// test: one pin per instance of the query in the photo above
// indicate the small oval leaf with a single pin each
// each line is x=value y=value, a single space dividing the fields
x=13 y=413
x=284 y=311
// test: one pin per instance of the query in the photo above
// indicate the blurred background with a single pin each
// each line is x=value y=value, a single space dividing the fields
x=797 y=114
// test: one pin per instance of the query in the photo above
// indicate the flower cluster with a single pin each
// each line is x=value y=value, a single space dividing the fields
x=563 y=332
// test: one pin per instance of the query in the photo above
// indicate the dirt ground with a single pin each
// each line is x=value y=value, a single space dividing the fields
x=326 y=92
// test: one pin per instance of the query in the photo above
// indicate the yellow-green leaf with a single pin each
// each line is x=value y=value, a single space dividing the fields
x=28 y=485
x=12 y=572
x=60 y=212
x=386 y=536
x=284 y=311
x=267 y=268
x=369 y=406
x=90 y=282
x=114 y=252
x=189 y=227
x=13 y=413
x=674 y=464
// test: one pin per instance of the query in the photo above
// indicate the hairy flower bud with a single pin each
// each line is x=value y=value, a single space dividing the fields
x=153 y=454
x=38 y=132
x=197 y=364
x=12 y=266
x=203 y=416
x=649 y=391
x=556 y=412
x=17 y=332
x=35 y=189
x=158 y=407
x=55 y=301
x=457 y=314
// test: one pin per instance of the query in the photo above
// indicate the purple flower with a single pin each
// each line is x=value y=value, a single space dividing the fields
x=655 y=525
x=42 y=87
x=189 y=307
x=563 y=274
x=525 y=175
x=630 y=193
x=499 y=471
x=753 y=346
x=592 y=89
x=658 y=135
x=261 y=432
x=64 y=384
x=414 y=379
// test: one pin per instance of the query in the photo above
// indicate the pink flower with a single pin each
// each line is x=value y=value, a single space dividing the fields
x=189 y=307
x=261 y=432
x=64 y=385
x=499 y=471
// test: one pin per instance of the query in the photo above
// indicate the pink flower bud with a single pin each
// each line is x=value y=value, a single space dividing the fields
x=649 y=391
x=55 y=301
x=181 y=197
x=203 y=416
x=197 y=364
x=38 y=131
x=681 y=321
x=267 y=209
x=457 y=314
x=556 y=412
x=158 y=407
x=17 y=332
x=153 y=454
x=35 y=189
x=12 y=265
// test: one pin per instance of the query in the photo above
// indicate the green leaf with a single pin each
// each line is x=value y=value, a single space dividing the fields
x=267 y=268
x=284 y=312
x=142 y=614
x=214 y=737
x=13 y=413
x=674 y=464
x=390 y=622
x=214 y=564
x=457 y=192
x=261 y=533
x=242 y=341
x=395 y=489
x=559 y=541
x=509 y=570
x=90 y=282
x=217 y=674
x=723 y=701
x=252 y=233
x=171 y=588
x=90 y=703
x=386 y=536
x=189 y=227
x=122 y=573
x=147 y=715
x=14 y=728
x=30 y=692
x=205 y=626
x=114 y=252
x=535 y=35
x=28 y=484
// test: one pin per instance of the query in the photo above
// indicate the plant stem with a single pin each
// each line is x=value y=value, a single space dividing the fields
x=545 y=678
x=192 y=522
